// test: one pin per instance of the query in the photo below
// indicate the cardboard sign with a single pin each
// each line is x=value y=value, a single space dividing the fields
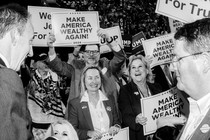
x=174 y=24
x=114 y=33
x=75 y=28
x=168 y=103
x=123 y=134
x=41 y=20
x=137 y=43
x=160 y=48
x=184 y=10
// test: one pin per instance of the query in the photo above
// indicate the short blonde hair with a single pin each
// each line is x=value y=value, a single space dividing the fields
x=146 y=64
x=71 y=130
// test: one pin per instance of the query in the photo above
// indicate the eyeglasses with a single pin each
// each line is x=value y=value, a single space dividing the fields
x=176 y=60
x=92 y=52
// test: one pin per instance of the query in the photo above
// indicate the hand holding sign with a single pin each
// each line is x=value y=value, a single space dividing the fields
x=170 y=121
x=141 y=119
x=111 y=42
x=94 y=135
x=50 y=40
x=113 y=130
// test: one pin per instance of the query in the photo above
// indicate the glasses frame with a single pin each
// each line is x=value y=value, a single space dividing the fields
x=180 y=58
x=92 y=52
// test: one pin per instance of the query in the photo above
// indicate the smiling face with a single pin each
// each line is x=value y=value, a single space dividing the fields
x=91 y=54
x=61 y=132
x=138 y=71
x=92 y=80
x=188 y=70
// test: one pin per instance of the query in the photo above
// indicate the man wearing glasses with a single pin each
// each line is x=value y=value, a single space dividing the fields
x=91 y=55
x=192 y=67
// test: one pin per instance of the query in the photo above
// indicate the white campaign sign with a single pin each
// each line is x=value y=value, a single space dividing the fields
x=168 y=103
x=123 y=134
x=174 y=24
x=114 y=33
x=160 y=48
x=75 y=28
x=184 y=10
x=41 y=20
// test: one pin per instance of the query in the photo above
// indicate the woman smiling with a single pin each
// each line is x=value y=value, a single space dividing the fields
x=94 y=112
x=140 y=86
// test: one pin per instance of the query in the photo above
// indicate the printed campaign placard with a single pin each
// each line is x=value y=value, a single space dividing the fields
x=160 y=48
x=184 y=10
x=168 y=103
x=123 y=134
x=137 y=42
x=115 y=34
x=75 y=28
x=41 y=20
x=174 y=24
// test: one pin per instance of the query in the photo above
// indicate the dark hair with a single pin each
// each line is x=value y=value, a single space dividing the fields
x=13 y=16
x=82 y=49
x=196 y=35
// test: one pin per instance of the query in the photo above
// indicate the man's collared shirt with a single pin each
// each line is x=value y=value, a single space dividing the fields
x=198 y=110
x=5 y=61
x=98 y=114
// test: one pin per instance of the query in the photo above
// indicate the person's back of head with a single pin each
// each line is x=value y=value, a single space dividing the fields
x=13 y=16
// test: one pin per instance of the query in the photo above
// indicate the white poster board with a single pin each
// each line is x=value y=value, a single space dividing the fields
x=184 y=10
x=174 y=24
x=123 y=134
x=41 y=20
x=168 y=103
x=75 y=28
x=115 y=34
x=160 y=48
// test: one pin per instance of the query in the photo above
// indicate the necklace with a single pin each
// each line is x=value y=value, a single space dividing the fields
x=144 y=93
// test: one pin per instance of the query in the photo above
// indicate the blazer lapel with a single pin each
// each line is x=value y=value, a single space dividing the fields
x=86 y=113
x=108 y=108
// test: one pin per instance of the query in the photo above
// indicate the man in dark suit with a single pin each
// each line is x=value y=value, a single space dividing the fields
x=16 y=33
x=192 y=67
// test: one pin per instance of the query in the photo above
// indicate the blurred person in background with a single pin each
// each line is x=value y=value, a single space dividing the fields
x=44 y=99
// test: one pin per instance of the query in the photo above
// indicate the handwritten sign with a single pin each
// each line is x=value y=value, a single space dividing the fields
x=168 y=103
x=123 y=134
x=75 y=28
x=41 y=20
x=115 y=34
x=184 y=10
x=160 y=48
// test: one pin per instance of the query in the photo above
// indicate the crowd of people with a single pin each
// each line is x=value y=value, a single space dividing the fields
x=98 y=101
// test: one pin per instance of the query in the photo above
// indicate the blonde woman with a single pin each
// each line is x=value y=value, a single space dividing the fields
x=140 y=86
x=61 y=130
x=94 y=112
